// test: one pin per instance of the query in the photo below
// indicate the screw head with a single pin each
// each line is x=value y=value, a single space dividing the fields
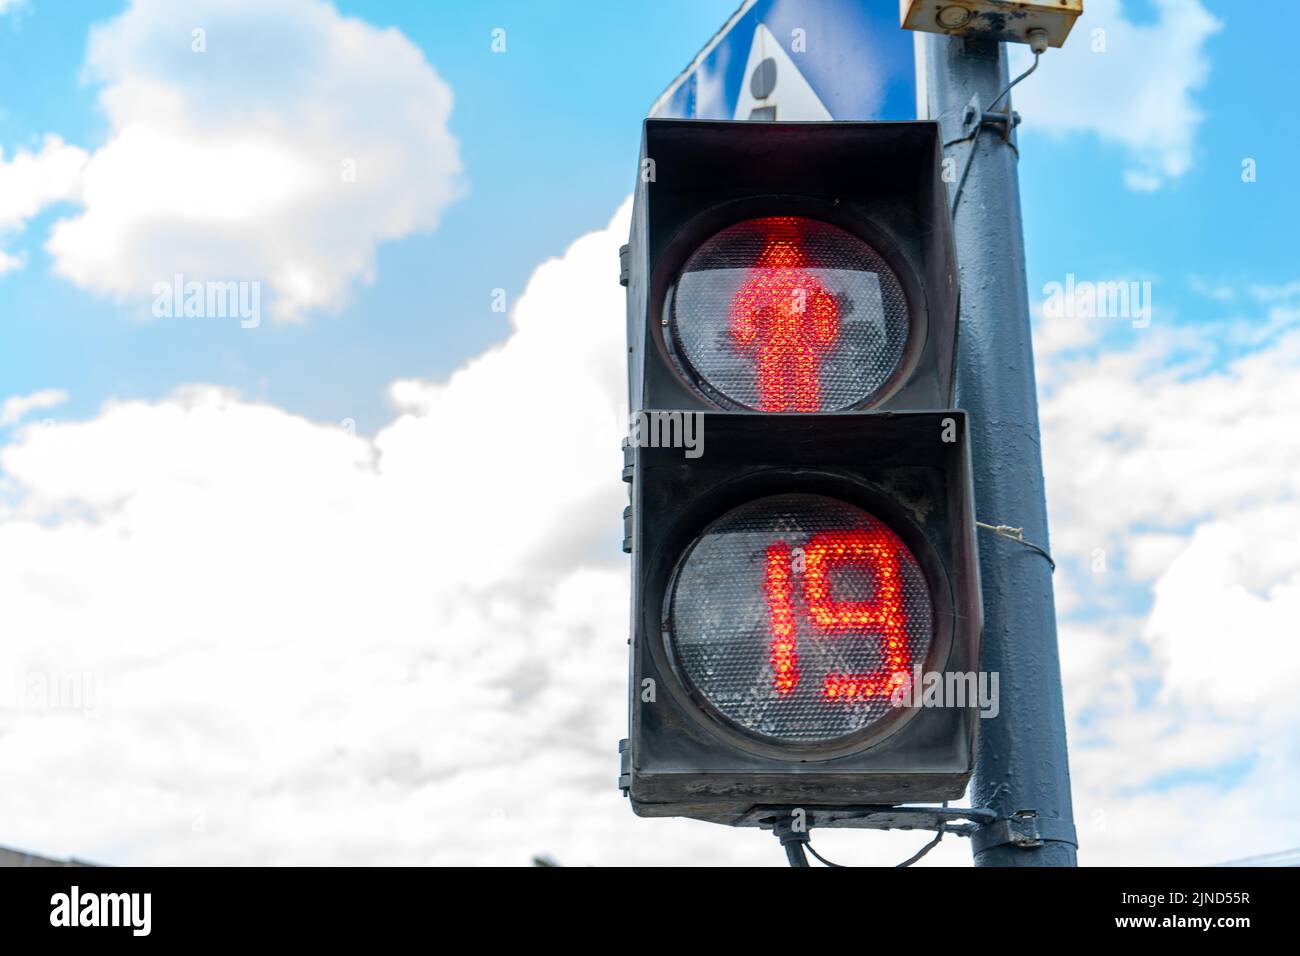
x=953 y=17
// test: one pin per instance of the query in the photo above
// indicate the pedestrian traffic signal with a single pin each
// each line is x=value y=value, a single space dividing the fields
x=757 y=318
x=792 y=289
x=749 y=562
x=791 y=267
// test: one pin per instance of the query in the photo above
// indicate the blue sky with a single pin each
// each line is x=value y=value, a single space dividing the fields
x=549 y=134
x=1207 y=223
x=310 y=643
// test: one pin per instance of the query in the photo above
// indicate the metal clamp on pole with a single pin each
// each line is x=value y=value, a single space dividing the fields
x=1024 y=829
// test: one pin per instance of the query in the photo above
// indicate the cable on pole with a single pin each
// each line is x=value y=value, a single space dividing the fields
x=1017 y=535
x=1038 y=42
x=998 y=98
x=798 y=843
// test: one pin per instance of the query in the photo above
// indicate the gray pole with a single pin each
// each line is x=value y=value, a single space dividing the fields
x=1022 y=763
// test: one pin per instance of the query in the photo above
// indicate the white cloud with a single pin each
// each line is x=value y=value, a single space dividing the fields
x=1225 y=611
x=1130 y=84
x=12 y=409
x=1058 y=334
x=1188 y=477
x=293 y=644
x=30 y=181
x=1274 y=293
x=303 y=645
x=1217 y=291
x=284 y=151
x=1132 y=440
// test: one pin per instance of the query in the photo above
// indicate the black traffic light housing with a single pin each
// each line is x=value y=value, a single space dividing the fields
x=903 y=457
x=879 y=181
x=899 y=466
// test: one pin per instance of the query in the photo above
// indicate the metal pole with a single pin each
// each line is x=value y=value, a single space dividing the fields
x=1022 y=767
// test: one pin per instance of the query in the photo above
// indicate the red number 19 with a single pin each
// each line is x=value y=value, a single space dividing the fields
x=872 y=549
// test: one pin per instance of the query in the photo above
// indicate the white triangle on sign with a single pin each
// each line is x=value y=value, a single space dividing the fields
x=773 y=87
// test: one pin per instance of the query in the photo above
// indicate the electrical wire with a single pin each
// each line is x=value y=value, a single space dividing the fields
x=996 y=100
x=794 y=848
x=795 y=842
x=1017 y=535
x=923 y=851
x=975 y=131
x=825 y=862
x=1037 y=57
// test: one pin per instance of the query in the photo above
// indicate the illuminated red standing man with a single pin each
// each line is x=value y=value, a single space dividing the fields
x=784 y=316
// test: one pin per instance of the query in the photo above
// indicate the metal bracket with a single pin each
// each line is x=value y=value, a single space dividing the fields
x=629 y=461
x=629 y=470
x=624 y=266
x=1024 y=829
x=624 y=765
x=974 y=118
x=962 y=821
x=1006 y=122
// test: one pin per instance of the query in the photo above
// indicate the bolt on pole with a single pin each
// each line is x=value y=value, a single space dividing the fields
x=1022 y=770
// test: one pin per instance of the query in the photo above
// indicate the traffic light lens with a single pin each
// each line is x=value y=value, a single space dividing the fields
x=800 y=618
x=787 y=314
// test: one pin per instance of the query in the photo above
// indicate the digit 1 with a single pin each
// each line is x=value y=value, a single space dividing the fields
x=780 y=604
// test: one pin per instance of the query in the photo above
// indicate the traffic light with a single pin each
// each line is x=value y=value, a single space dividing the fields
x=804 y=566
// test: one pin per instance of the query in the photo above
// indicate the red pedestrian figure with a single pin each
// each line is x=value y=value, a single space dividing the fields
x=786 y=318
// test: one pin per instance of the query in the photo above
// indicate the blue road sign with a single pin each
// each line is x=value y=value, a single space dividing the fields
x=800 y=60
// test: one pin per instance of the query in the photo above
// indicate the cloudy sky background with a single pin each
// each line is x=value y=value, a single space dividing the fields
x=322 y=610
